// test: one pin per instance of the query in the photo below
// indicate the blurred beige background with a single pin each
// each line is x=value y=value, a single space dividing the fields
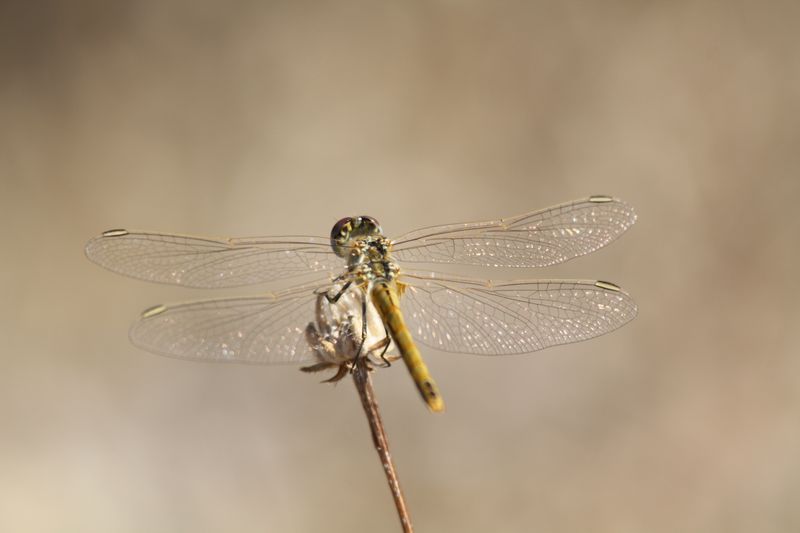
x=281 y=117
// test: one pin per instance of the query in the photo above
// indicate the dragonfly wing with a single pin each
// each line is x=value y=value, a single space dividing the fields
x=266 y=329
x=207 y=262
x=536 y=239
x=478 y=317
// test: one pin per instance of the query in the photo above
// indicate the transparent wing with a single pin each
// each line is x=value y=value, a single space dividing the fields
x=477 y=317
x=536 y=239
x=266 y=329
x=210 y=263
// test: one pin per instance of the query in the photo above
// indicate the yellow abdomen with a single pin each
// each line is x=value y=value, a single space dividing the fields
x=386 y=301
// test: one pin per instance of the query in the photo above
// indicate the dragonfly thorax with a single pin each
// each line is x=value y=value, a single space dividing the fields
x=369 y=258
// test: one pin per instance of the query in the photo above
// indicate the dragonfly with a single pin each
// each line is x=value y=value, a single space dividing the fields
x=369 y=292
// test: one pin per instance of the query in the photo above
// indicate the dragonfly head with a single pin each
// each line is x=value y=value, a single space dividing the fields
x=350 y=229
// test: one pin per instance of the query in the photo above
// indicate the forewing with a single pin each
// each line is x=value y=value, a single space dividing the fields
x=536 y=239
x=266 y=329
x=476 y=317
x=210 y=263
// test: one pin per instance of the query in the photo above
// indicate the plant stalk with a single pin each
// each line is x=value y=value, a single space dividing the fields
x=370 y=405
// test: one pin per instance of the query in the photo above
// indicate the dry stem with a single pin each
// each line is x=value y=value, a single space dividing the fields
x=370 y=405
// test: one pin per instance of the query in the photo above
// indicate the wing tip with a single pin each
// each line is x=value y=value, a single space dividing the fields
x=93 y=243
x=633 y=310
x=629 y=212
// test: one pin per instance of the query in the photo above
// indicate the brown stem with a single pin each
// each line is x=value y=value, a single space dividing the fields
x=370 y=405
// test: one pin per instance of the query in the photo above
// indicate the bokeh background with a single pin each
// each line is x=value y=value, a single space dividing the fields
x=243 y=118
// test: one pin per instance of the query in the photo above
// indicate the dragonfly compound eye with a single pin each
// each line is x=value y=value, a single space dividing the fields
x=369 y=225
x=350 y=228
x=340 y=235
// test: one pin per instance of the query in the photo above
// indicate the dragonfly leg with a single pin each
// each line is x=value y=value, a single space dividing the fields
x=388 y=341
x=386 y=361
x=363 y=327
x=382 y=360
x=384 y=343
x=334 y=299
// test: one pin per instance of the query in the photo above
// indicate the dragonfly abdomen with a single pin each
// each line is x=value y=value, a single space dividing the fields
x=384 y=297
